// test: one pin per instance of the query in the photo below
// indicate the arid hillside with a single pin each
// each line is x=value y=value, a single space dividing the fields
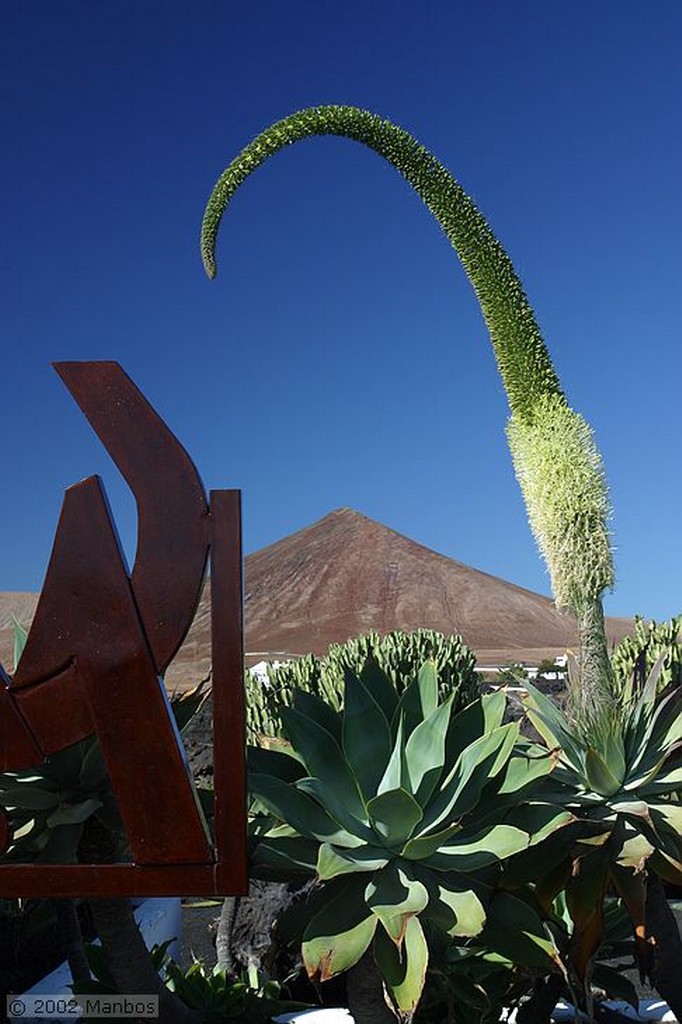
x=346 y=574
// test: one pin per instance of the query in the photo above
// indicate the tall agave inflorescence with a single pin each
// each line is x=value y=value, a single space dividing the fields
x=554 y=454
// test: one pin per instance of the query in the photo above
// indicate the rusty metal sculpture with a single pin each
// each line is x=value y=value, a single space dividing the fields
x=102 y=636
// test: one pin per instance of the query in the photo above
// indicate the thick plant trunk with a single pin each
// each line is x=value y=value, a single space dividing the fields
x=595 y=693
x=365 y=994
x=664 y=936
x=223 y=939
x=129 y=961
x=70 y=931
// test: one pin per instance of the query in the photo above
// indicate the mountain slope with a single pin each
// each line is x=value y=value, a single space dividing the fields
x=346 y=574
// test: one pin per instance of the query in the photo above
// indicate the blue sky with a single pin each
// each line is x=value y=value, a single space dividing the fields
x=340 y=357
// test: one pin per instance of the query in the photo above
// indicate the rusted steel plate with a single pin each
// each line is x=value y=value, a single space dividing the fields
x=87 y=615
x=96 y=644
x=229 y=744
x=172 y=535
x=34 y=881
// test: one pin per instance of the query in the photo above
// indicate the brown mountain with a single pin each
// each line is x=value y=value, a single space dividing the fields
x=346 y=574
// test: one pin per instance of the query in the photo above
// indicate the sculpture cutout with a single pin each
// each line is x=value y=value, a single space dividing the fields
x=100 y=639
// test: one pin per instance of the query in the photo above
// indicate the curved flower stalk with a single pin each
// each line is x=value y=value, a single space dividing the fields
x=568 y=509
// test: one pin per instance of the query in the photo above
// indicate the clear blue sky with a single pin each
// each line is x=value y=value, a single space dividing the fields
x=340 y=357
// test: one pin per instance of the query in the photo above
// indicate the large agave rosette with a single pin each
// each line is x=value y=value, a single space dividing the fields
x=404 y=812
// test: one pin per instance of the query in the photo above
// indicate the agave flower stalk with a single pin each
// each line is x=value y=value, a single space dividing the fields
x=554 y=454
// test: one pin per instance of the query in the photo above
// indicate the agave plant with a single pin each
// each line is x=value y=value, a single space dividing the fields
x=621 y=779
x=405 y=813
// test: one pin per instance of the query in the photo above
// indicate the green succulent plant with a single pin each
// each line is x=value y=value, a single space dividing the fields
x=211 y=993
x=639 y=652
x=474 y=982
x=622 y=783
x=403 y=811
x=397 y=653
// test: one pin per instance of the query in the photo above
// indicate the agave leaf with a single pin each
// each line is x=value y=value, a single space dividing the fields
x=404 y=970
x=333 y=861
x=631 y=887
x=634 y=851
x=24 y=830
x=310 y=705
x=600 y=776
x=63 y=768
x=472 y=770
x=515 y=930
x=553 y=727
x=27 y=797
x=673 y=733
x=62 y=842
x=667 y=814
x=380 y=686
x=73 y=814
x=510 y=740
x=281 y=745
x=394 y=896
x=420 y=698
x=394 y=815
x=539 y=820
x=638 y=780
x=456 y=909
x=585 y=891
x=367 y=740
x=523 y=771
x=471 y=853
x=93 y=770
x=277 y=859
x=275 y=762
x=426 y=845
x=323 y=758
x=645 y=715
x=338 y=935
x=534 y=863
x=632 y=808
x=649 y=737
x=667 y=866
x=425 y=752
x=668 y=780
x=331 y=802
x=480 y=717
x=299 y=810
x=395 y=771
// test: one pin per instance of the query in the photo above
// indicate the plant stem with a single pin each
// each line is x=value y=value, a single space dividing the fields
x=594 y=697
